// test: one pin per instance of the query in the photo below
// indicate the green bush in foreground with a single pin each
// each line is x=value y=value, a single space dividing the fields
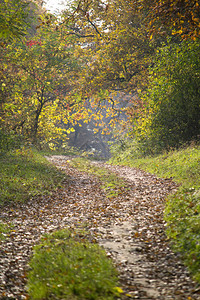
x=67 y=266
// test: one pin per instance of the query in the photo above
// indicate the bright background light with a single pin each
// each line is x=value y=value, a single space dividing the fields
x=54 y=5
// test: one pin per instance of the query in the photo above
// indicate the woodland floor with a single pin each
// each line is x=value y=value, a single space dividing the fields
x=130 y=227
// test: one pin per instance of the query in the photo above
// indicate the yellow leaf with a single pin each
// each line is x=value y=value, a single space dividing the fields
x=118 y=289
x=136 y=234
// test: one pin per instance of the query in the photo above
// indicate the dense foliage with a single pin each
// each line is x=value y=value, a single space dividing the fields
x=120 y=55
x=14 y=19
x=171 y=102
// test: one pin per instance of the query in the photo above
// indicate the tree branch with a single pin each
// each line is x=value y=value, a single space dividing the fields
x=93 y=25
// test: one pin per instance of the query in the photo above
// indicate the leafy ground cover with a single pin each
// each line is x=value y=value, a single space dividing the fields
x=112 y=184
x=182 y=211
x=67 y=266
x=25 y=173
x=130 y=227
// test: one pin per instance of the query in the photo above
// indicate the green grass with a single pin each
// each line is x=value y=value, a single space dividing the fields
x=183 y=165
x=182 y=211
x=4 y=230
x=25 y=173
x=112 y=184
x=65 y=265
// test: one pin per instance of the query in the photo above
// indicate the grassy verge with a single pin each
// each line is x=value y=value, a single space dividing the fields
x=182 y=211
x=112 y=184
x=67 y=266
x=25 y=173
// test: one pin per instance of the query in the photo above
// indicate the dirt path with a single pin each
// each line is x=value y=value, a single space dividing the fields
x=130 y=227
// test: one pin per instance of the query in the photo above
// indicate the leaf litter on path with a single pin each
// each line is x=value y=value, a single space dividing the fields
x=130 y=227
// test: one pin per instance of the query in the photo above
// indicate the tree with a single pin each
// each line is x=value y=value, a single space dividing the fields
x=14 y=19
x=117 y=48
x=176 y=17
x=114 y=49
x=41 y=71
x=172 y=112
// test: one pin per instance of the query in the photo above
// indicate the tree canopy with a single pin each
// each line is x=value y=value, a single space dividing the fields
x=123 y=64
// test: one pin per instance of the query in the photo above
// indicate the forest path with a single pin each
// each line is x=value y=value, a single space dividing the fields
x=130 y=227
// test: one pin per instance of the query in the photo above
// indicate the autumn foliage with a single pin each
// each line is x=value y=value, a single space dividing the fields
x=121 y=65
x=182 y=17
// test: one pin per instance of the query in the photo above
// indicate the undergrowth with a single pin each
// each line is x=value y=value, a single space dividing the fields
x=182 y=211
x=65 y=265
x=25 y=173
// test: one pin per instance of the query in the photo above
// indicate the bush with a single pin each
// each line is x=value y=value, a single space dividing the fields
x=172 y=112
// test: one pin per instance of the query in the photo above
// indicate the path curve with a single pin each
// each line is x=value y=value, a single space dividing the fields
x=130 y=228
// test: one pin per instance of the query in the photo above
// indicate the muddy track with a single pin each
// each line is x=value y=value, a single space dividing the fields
x=130 y=227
